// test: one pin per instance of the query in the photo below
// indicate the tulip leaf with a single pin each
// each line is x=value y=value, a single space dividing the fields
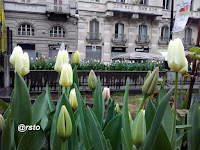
x=125 y=145
x=3 y=105
x=75 y=77
x=194 y=120
x=111 y=111
x=109 y=147
x=112 y=133
x=98 y=106
x=125 y=116
x=95 y=131
x=32 y=140
x=156 y=124
x=185 y=127
x=55 y=141
x=82 y=112
x=195 y=49
x=42 y=107
x=195 y=56
x=7 y=139
x=21 y=104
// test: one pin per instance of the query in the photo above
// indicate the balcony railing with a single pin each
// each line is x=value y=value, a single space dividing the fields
x=94 y=37
x=188 y=41
x=163 y=40
x=142 y=39
x=58 y=8
x=119 y=39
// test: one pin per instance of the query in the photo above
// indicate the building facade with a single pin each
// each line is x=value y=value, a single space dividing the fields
x=39 y=26
x=107 y=28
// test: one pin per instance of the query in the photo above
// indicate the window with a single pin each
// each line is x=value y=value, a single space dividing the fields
x=119 y=31
x=121 y=1
x=94 y=0
x=188 y=35
x=26 y=1
x=94 y=29
x=144 y=2
x=57 y=32
x=93 y=53
x=165 y=33
x=26 y=30
x=58 y=5
x=191 y=6
x=143 y=30
x=30 y=49
x=166 y=4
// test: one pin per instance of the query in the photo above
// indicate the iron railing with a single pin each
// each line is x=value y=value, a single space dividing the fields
x=119 y=38
x=163 y=40
x=58 y=8
x=142 y=39
x=94 y=37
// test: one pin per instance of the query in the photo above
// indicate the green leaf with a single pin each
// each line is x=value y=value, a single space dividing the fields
x=125 y=116
x=8 y=141
x=82 y=112
x=21 y=105
x=75 y=77
x=194 y=134
x=195 y=49
x=185 y=127
x=55 y=141
x=95 y=131
x=112 y=132
x=3 y=105
x=108 y=145
x=125 y=145
x=98 y=106
x=32 y=140
x=111 y=111
x=156 y=124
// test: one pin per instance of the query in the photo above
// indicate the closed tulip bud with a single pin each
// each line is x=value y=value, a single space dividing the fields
x=72 y=99
x=139 y=129
x=76 y=58
x=17 y=51
x=66 y=76
x=176 y=55
x=92 y=80
x=22 y=65
x=65 y=57
x=117 y=109
x=129 y=114
x=150 y=83
x=185 y=69
x=64 y=125
x=59 y=61
x=106 y=93
x=2 y=124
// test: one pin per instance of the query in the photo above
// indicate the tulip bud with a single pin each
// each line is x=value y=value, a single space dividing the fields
x=2 y=124
x=76 y=58
x=92 y=80
x=64 y=125
x=65 y=57
x=73 y=99
x=17 y=51
x=22 y=65
x=139 y=129
x=59 y=61
x=66 y=76
x=185 y=69
x=117 y=109
x=150 y=83
x=106 y=93
x=176 y=55
x=129 y=114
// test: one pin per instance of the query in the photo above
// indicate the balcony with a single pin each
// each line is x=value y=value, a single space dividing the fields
x=119 y=39
x=93 y=37
x=142 y=40
x=163 y=40
x=134 y=8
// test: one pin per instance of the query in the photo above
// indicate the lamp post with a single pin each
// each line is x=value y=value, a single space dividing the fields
x=172 y=19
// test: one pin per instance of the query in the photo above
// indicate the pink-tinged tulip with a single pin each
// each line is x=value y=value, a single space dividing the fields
x=76 y=58
x=150 y=83
x=185 y=69
x=66 y=76
x=139 y=129
x=106 y=93
x=176 y=55
x=72 y=99
x=16 y=51
x=92 y=80
x=64 y=124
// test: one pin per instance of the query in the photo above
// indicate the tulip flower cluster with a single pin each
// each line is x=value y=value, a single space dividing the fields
x=20 y=60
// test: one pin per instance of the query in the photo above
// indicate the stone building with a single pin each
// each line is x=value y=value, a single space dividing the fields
x=39 y=26
x=107 y=28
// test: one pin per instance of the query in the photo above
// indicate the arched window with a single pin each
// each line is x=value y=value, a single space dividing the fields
x=57 y=31
x=26 y=29
x=165 y=33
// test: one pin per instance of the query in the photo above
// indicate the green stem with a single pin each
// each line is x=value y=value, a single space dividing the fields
x=63 y=145
x=59 y=91
x=182 y=91
x=175 y=105
x=141 y=104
